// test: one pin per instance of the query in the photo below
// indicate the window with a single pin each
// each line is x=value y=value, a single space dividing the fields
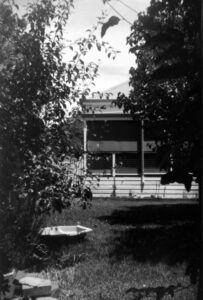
x=100 y=163
x=150 y=163
x=128 y=163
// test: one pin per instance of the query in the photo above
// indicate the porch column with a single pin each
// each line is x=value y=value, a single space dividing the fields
x=142 y=154
x=171 y=162
x=85 y=146
x=113 y=165
x=114 y=173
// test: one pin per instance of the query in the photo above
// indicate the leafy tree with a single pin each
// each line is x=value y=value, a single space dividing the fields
x=36 y=133
x=166 y=83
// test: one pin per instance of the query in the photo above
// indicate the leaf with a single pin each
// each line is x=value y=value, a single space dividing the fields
x=111 y=22
x=75 y=56
x=89 y=46
x=98 y=46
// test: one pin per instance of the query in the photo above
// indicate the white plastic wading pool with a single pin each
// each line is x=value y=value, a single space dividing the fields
x=75 y=230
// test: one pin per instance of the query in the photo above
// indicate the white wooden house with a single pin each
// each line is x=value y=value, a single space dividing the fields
x=119 y=152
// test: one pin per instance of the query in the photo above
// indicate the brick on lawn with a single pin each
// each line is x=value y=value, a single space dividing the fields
x=35 y=287
x=45 y=298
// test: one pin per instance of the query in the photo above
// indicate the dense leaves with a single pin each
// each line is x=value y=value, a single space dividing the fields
x=166 y=82
x=38 y=137
x=157 y=293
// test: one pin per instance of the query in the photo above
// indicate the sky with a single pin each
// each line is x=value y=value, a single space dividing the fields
x=84 y=16
x=111 y=72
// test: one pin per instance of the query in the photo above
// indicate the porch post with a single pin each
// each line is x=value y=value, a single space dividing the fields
x=171 y=162
x=85 y=146
x=113 y=165
x=114 y=173
x=142 y=154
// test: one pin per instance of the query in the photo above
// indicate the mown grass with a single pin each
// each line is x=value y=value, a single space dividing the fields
x=132 y=246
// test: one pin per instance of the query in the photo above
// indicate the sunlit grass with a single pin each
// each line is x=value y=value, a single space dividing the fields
x=130 y=247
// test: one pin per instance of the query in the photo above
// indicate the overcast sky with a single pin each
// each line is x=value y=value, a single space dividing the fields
x=84 y=16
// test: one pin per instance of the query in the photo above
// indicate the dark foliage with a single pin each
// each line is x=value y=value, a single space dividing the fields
x=157 y=293
x=179 y=176
x=166 y=82
x=36 y=133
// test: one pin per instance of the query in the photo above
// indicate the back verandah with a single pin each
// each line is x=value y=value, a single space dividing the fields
x=119 y=152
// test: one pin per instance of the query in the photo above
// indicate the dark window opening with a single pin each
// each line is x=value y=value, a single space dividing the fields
x=99 y=162
x=151 y=164
x=127 y=163
x=113 y=130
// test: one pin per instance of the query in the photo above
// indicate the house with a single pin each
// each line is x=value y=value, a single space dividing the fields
x=119 y=152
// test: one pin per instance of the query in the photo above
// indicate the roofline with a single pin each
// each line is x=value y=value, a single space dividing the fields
x=94 y=100
x=116 y=86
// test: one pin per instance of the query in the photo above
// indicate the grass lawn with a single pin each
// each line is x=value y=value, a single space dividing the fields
x=132 y=246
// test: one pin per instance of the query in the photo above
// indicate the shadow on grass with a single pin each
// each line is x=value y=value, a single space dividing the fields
x=171 y=245
x=168 y=234
x=153 y=214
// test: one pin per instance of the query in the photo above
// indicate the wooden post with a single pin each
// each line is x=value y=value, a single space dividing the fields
x=200 y=287
x=142 y=154
x=171 y=162
x=113 y=165
x=114 y=173
x=85 y=146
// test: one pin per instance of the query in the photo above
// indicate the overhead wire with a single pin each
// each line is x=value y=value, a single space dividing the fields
x=131 y=8
x=118 y=13
x=110 y=8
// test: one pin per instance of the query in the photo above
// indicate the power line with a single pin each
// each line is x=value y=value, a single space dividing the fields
x=119 y=13
x=128 y=6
